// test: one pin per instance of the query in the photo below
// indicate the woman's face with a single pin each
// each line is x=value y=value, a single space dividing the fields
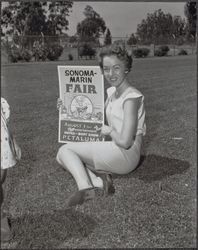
x=114 y=70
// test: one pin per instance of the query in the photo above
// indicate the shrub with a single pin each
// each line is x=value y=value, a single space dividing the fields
x=158 y=52
x=54 y=52
x=164 y=48
x=43 y=52
x=27 y=55
x=86 y=50
x=182 y=52
x=162 y=51
x=141 y=52
x=40 y=52
x=15 y=54
x=70 y=57
x=13 y=58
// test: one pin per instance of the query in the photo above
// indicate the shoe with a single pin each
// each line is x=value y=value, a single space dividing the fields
x=6 y=233
x=109 y=188
x=81 y=196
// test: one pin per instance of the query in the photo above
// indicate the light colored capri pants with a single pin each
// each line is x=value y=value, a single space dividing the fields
x=107 y=156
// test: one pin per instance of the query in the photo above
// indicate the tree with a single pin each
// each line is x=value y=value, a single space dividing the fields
x=92 y=27
x=133 y=40
x=108 y=38
x=35 y=17
x=57 y=20
x=73 y=39
x=190 y=11
x=160 y=28
x=23 y=18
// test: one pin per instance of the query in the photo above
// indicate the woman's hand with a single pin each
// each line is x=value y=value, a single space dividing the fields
x=106 y=130
x=59 y=104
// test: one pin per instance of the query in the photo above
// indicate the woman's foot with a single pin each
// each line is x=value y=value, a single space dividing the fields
x=107 y=183
x=81 y=196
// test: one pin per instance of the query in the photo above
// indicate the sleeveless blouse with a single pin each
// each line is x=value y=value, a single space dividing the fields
x=115 y=109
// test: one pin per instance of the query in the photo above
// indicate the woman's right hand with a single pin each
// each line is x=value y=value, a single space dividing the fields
x=59 y=103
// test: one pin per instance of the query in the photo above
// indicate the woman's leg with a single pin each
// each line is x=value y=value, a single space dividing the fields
x=78 y=159
x=73 y=163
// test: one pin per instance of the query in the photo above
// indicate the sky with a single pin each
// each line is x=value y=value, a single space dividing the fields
x=122 y=18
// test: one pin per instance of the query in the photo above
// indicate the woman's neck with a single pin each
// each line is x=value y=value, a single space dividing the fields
x=121 y=88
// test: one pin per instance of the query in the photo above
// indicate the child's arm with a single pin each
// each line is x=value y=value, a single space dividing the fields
x=5 y=108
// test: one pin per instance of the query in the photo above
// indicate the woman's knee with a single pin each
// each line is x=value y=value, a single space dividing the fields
x=61 y=152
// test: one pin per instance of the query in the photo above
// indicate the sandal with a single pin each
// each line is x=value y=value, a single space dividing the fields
x=81 y=196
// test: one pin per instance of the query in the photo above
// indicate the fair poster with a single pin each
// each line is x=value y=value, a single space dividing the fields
x=82 y=113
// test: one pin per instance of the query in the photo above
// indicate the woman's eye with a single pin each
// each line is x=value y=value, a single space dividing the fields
x=106 y=70
x=117 y=68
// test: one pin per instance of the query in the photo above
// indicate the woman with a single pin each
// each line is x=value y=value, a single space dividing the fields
x=126 y=126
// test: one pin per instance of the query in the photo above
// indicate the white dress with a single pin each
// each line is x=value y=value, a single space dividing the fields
x=107 y=156
x=7 y=158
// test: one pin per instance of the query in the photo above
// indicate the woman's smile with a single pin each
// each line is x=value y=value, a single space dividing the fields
x=113 y=79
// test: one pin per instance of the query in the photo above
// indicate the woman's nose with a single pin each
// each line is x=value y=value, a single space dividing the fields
x=111 y=72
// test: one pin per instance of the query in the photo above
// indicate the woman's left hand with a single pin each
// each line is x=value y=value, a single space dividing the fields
x=106 y=130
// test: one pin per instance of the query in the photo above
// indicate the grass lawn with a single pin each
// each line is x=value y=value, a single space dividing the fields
x=153 y=207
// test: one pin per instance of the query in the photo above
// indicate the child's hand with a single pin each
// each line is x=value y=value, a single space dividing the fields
x=59 y=103
x=106 y=130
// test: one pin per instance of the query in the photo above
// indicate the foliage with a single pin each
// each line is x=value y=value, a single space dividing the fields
x=57 y=19
x=14 y=54
x=190 y=11
x=160 y=28
x=164 y=48
x=87 y=50
x=141 y=52
x=73 y=39
x=17 y=54
x=162 y=51
x=54 y=51
x=35 y=17
x=23 y=17
x=92 y=27
x=27 y=55
x=108 y=38
x=183 y=52
x=133 y=40
x=40 y=51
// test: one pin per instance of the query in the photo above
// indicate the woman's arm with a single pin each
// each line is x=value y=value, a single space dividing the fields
x=129 y=127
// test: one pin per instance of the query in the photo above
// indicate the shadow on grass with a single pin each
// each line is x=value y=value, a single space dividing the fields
x=155 y=168
x=49 y=230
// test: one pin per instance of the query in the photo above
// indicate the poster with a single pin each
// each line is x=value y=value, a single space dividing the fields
x=81 y=115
